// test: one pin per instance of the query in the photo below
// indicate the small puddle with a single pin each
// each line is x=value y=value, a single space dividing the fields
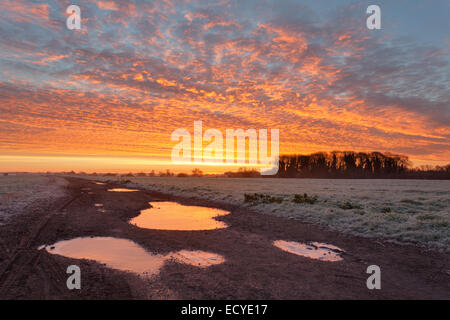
x=100 y=183
x=175 y=216
x=199 y=259
x=314 y=250
x=98 y=205
x=126 y=255
x=122 y=190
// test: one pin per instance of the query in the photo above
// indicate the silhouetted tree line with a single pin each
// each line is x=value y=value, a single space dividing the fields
x=334 y=165
x=351 y=165
x=243 y=173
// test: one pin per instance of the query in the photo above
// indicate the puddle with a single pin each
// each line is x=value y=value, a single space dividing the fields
x=175 y=216
x=122 y=190
x=126 y=255
x=116 y=253
x=98 y=205
x=100 y=183
x=314 y=250
x=199 y=259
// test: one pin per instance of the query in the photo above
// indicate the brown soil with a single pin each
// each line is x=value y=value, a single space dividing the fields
x=254 y=268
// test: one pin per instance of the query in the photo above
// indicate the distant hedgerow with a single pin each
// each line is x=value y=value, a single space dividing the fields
x=347 y=205
x=304 y=198
x=257 y=198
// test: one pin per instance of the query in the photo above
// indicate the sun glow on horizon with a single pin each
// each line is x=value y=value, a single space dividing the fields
x=122 y=165
x=75 y=100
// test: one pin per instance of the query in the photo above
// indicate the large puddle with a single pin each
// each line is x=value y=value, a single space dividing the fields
x=175 y=216
x=126 y=255
x=122 y=190
x=314 y=250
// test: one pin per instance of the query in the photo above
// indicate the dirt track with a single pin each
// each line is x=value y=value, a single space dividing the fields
x=254 y=268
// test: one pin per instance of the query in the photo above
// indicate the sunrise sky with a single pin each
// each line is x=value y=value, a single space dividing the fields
x=107 y=97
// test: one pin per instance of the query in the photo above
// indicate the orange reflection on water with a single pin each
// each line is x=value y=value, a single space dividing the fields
x=174 y=216
x=122 y=190
x=126 y=255
x=315 y=250
x=116 y=253
x=197 y=258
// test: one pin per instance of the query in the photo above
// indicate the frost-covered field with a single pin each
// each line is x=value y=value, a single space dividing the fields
x=406 y=210
x=19 y=191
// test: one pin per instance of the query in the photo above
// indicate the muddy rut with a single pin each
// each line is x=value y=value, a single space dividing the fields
x=253 y=268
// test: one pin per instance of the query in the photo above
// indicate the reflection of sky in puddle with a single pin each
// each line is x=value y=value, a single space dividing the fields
x=122 y=190
x=98 y=205
x=126 y=255
x=200 y=259
x=314 y=250
x=100 y=183
x=174 y=216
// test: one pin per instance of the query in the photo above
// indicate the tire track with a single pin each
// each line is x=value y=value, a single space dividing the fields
x=24 y=254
